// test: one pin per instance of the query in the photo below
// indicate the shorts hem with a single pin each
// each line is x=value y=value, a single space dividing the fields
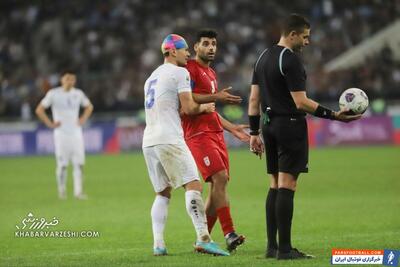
x=294 y=172
x=185 y=182
x=158 y=191
x=287 y=171
x=208 y=179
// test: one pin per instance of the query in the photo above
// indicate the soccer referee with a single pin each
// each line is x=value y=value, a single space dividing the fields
x=279 y=89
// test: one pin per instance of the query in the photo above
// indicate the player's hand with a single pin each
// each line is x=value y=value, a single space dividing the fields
x=208 y=108
x=344 y=116
x=81 y=121
x=54 y=124
x=239 y=131
x=256 y=145
x=225 y=97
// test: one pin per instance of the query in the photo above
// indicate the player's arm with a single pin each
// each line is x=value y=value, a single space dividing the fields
x=237 y=130
x=87 y=108
x=87 y=111
x=256 y=145
x=187 y=103
x=222 y=96
x=310 y=106
x=190 y=107
x=41 y=113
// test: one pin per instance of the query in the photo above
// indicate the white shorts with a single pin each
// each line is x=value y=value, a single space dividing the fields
x=69 y=148
x=170 y=166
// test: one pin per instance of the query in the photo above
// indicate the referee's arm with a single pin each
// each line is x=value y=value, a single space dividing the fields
x=256 y=145
x=303 y=102
x=254 y=100
x=310 y=106
x=293 y=71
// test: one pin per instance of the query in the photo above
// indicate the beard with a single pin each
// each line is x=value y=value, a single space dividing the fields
x=298 y=48
x=206 y=59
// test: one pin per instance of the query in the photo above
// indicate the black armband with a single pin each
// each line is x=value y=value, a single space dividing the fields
x=325 y=113
x=254 y=121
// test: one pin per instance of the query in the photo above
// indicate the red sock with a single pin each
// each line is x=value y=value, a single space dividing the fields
x=224 y=216
x=210 y=222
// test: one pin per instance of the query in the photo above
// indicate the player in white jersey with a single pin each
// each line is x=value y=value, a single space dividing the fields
x=65 y=102
x=169 y=161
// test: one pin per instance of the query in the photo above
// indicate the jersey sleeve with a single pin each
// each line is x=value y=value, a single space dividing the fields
x=84 y=100
x=183 y=80
x=294 y=73
x=192 y=71
x=47 y=101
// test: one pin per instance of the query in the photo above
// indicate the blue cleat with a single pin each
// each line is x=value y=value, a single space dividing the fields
x=160 y=252
x=209 y=248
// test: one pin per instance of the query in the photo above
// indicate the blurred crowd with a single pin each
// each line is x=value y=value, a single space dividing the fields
x=113 y=45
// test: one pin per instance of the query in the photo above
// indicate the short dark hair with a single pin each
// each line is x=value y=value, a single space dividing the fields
x=208 y=33
x=294 y=22
x=68 y=71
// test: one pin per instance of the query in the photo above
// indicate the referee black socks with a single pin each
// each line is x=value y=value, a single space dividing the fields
x=270 y=214
x=284 y=215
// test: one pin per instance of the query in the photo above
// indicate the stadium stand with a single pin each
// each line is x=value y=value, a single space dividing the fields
x=113 y=45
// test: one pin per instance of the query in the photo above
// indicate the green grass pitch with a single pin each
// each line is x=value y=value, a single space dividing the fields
x=350 y=199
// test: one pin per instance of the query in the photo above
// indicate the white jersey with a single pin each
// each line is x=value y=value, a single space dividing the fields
x=65 y=108
x=162 y=88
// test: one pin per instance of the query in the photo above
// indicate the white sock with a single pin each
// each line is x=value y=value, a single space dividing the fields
x=61 y=174
x=159 y=214
x=196 y=211
x=77 y=174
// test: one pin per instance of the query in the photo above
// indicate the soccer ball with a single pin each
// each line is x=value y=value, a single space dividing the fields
x=355 y=100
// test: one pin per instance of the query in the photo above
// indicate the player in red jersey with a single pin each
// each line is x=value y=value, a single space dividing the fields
x=205 y=137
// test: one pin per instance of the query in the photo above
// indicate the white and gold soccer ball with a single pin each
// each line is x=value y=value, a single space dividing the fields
x=355 y=100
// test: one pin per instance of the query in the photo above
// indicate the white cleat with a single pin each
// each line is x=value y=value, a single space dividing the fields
x=62 y=195
x=81 y=197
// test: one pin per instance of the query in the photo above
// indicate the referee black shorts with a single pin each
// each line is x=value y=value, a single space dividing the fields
x=286 y=145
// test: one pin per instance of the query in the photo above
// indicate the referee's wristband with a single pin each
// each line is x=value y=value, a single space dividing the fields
x=325 y=113
x=254 y=121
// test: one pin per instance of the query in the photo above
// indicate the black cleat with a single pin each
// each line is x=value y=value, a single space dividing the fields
x=293 y=254
x=271 y=253
x=234 y=240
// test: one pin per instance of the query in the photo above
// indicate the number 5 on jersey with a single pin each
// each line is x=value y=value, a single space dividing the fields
x=150 y=94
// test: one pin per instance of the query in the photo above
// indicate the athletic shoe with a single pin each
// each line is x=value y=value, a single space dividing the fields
x=293 y=254
x=271 y=253
x=62 y=195
x=233 y=240
x=160 y=251
x=209 y=248
x=81 y=197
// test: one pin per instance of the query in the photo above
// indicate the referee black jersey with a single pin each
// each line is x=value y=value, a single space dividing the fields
x=278 y=71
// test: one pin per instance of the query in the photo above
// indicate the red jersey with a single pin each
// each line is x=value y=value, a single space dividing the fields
x=203 y=81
